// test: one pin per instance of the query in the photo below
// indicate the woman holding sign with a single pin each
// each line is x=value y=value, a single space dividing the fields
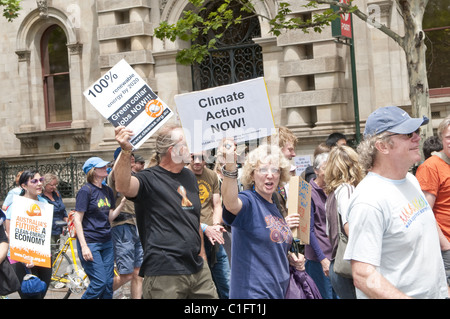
x=31 y=183
x=261 y=236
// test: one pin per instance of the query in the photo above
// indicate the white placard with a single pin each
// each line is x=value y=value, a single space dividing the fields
x=30 y=231
x=301 y=163
x=123 y=98
x=241 y=110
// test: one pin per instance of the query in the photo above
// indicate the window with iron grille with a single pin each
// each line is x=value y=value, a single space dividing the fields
x=237 y=57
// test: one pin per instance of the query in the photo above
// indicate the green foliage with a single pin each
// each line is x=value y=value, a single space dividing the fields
x=193 y=24
x=11 y=9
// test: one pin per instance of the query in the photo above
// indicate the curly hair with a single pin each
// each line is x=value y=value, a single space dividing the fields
x=265 y=154
x=342 y=167
x=368 y=152
x=282 y=137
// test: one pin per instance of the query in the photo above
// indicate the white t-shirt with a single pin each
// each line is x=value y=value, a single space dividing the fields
x=393 y=228
x=342 y=195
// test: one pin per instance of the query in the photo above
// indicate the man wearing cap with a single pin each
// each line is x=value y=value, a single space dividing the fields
x=393 y=233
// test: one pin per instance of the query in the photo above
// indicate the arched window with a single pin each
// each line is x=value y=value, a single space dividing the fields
x=56 y=80
x=236 y=58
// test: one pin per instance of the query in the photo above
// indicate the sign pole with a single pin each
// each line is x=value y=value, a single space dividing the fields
x=342 y=31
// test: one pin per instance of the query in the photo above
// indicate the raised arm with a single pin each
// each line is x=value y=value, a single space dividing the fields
x=230 y=197
x=125 y=183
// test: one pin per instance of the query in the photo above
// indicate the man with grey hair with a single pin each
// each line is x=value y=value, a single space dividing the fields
x=393 y=231
x=167 y=206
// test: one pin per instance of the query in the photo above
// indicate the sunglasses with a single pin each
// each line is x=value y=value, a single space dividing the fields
x=36 y=180
x=409 y=135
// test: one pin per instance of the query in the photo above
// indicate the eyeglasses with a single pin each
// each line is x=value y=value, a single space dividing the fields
x=36 y=180
x=266 y=170
x=409 y=135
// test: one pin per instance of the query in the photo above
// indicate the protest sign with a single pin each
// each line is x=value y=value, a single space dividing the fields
x=30 y=231
x=123 y=98
x=301 y=163
x=241 y=111
x=299 y=202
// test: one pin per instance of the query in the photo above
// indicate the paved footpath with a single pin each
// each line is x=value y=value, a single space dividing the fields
x=122 y=293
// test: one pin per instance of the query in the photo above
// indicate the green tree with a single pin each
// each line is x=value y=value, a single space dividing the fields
x=193 y=24
x=11 y=9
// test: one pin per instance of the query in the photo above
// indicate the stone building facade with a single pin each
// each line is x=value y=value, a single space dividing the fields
x=308 y=75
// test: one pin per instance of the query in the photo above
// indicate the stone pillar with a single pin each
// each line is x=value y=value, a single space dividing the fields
x=76 y=84
x=24 y=76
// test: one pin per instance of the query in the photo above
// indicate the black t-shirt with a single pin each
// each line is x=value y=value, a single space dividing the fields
x=168 y=219
x=3 y=238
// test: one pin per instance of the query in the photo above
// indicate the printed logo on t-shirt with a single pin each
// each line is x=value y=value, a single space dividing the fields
x=279 y=230
x=411 y=211
x=103 y=203
x=204 y=190
x=185 y=202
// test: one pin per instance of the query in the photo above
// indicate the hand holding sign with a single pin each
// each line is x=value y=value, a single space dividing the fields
x=123 y=136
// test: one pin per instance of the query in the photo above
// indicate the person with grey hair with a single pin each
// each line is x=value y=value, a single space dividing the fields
x=261 y=236
x=434 y=178
x=167 y=206
x=318 y=252
x=393 y=232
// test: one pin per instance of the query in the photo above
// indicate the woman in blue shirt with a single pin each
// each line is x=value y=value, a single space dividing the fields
x=261 y=238
x=94 y=202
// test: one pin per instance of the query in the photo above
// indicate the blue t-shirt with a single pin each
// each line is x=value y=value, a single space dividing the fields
x=260 y=242
x=95 y=203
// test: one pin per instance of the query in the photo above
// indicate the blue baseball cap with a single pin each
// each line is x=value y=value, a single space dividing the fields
x=92 y=162
x=392 y=119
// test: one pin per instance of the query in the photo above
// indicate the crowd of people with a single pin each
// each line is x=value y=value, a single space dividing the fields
x=179 y=229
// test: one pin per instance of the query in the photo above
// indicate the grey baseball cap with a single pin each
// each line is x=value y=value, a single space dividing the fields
x=392 y=119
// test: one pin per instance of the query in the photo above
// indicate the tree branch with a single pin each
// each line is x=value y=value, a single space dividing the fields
x=354 y=9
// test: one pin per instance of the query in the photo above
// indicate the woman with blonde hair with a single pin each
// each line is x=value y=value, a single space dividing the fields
x=342 y=174
x=261 y=236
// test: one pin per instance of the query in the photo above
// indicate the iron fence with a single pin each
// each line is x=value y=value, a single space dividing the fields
x=70 y=175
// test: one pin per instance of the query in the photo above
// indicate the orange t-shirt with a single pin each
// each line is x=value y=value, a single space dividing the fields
x=434 y=178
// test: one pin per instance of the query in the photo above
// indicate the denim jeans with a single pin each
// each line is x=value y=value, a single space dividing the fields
x=343 y=286
x=100 y=271
x=315 y=271
x=220 y=268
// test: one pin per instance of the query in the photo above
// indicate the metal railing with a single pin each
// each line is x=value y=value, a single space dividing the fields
x=70 y=175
